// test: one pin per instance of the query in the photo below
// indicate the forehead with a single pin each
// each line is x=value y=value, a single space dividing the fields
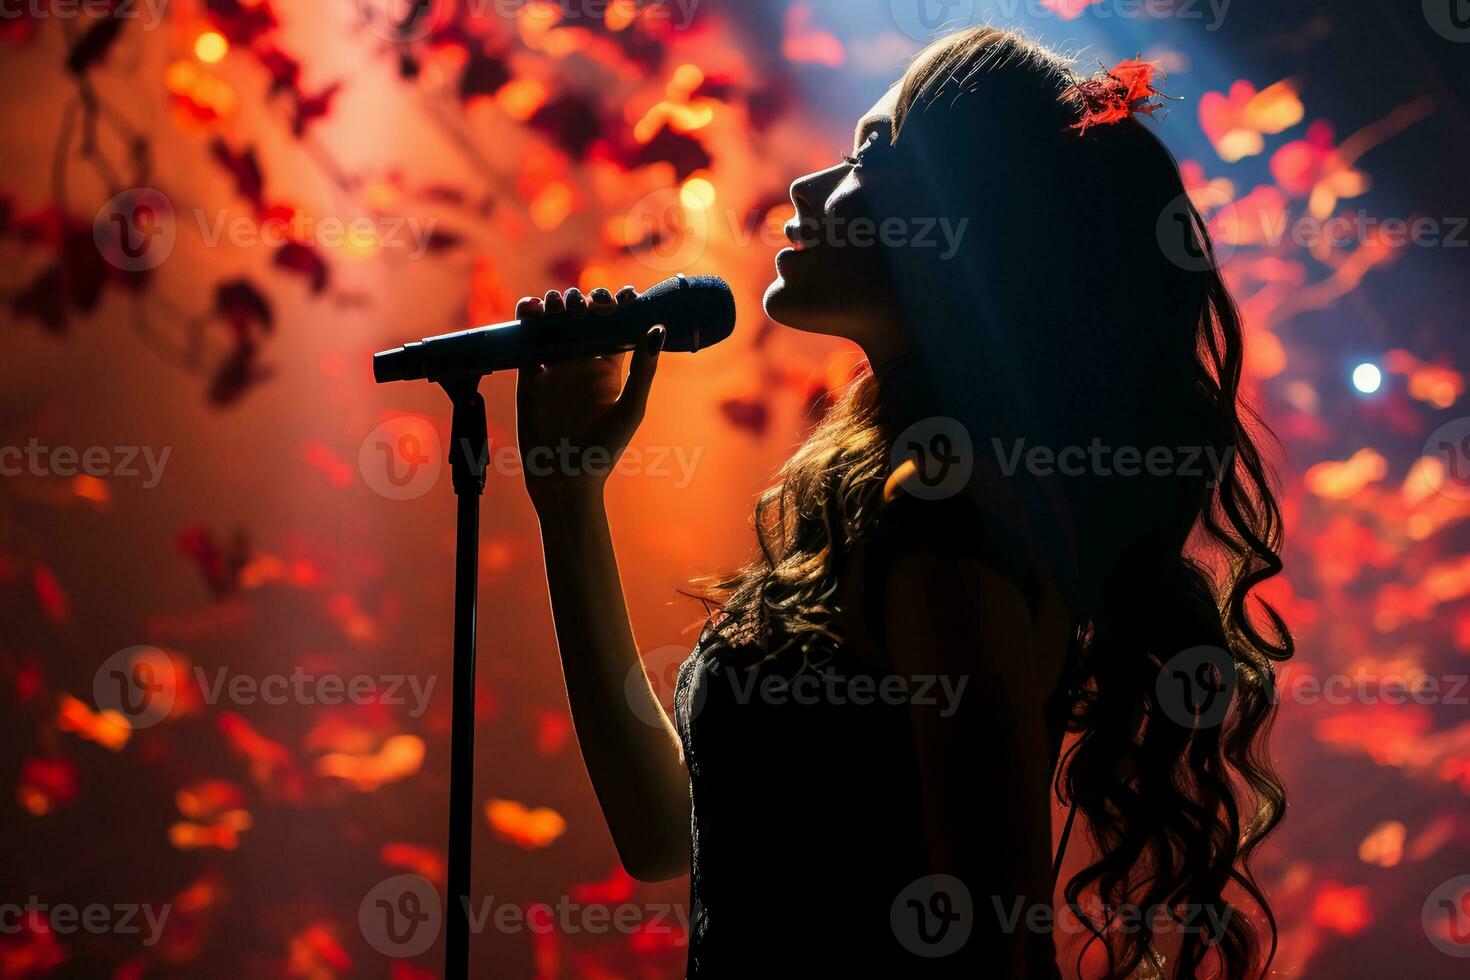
x=878 y=119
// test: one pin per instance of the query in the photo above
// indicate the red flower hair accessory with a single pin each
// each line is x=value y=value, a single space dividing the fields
x=1112 y=96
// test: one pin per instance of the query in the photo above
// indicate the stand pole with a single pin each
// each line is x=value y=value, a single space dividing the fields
x=467 y=460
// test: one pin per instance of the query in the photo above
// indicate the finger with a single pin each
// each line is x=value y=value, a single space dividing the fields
x=602 y=301
x=529 y=307
x=634 y=398
x=576 y=302
x=624 y=296
x=538 y=308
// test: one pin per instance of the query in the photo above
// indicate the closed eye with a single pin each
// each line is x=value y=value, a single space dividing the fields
x=856 y=160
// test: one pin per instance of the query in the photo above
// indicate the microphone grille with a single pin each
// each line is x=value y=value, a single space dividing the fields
x=701 y=311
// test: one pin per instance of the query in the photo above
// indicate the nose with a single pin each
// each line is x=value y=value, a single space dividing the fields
x=810 y=193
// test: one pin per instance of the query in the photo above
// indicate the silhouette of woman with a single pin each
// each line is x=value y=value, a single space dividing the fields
x=1040 y=513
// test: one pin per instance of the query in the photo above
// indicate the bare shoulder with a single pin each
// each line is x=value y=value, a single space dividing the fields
x=949 y=600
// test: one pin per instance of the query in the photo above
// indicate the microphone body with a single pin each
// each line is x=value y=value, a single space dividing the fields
x=697 y=313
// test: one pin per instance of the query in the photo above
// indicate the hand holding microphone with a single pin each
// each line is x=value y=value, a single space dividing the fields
x=697 y=312
x=570 y=354
x=590 y=403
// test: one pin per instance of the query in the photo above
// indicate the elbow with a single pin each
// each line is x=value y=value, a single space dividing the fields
x=653 y=872
x=654 y=875
x=652 y=833
x=651 y=865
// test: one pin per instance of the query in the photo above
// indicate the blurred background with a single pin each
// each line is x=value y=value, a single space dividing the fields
x=213 y=211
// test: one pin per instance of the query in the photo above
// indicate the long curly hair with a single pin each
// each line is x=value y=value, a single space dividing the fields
x=1175 y=808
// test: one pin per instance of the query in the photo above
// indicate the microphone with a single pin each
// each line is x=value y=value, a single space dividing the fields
x=697 y=313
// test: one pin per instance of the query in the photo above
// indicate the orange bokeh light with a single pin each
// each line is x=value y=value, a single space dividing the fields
x=211 y=47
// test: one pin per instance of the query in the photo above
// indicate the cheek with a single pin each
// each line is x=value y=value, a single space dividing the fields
x=850 y=235
x=848 y=201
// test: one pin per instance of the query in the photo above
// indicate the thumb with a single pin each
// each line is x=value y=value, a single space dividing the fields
x=634 y=398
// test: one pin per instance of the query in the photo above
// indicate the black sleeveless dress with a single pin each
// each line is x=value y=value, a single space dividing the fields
x=807 y=825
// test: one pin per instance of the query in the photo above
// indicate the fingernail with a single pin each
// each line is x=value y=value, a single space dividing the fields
x=655 y=340
x=601 y=295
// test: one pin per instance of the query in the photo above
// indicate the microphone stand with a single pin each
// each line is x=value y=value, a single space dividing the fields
x=705 y=300
x=468 y=458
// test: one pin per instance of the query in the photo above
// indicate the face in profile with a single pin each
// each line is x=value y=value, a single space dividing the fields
x=836 y=278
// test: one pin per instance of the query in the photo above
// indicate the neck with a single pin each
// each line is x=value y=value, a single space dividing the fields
x=884 y=354
x=906 y=391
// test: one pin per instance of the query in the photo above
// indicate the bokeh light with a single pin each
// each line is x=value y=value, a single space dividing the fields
x=211 y=46
x=1367 y=378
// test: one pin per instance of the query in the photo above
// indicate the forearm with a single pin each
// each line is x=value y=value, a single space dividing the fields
x=636 y=768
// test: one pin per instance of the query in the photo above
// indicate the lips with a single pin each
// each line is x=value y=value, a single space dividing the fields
x=794 y=229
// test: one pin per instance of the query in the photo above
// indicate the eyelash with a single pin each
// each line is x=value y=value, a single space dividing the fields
x=856 y=160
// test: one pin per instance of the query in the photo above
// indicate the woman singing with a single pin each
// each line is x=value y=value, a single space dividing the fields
x=1037 y=514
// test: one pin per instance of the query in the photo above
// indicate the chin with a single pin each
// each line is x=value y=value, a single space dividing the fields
x=790 y=305
x=777 y=302
x=824 y=292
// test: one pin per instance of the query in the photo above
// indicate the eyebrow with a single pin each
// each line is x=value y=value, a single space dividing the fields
x=872 y=124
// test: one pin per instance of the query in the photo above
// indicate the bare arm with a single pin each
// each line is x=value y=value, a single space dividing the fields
x=983 y=768
x=637 y=769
